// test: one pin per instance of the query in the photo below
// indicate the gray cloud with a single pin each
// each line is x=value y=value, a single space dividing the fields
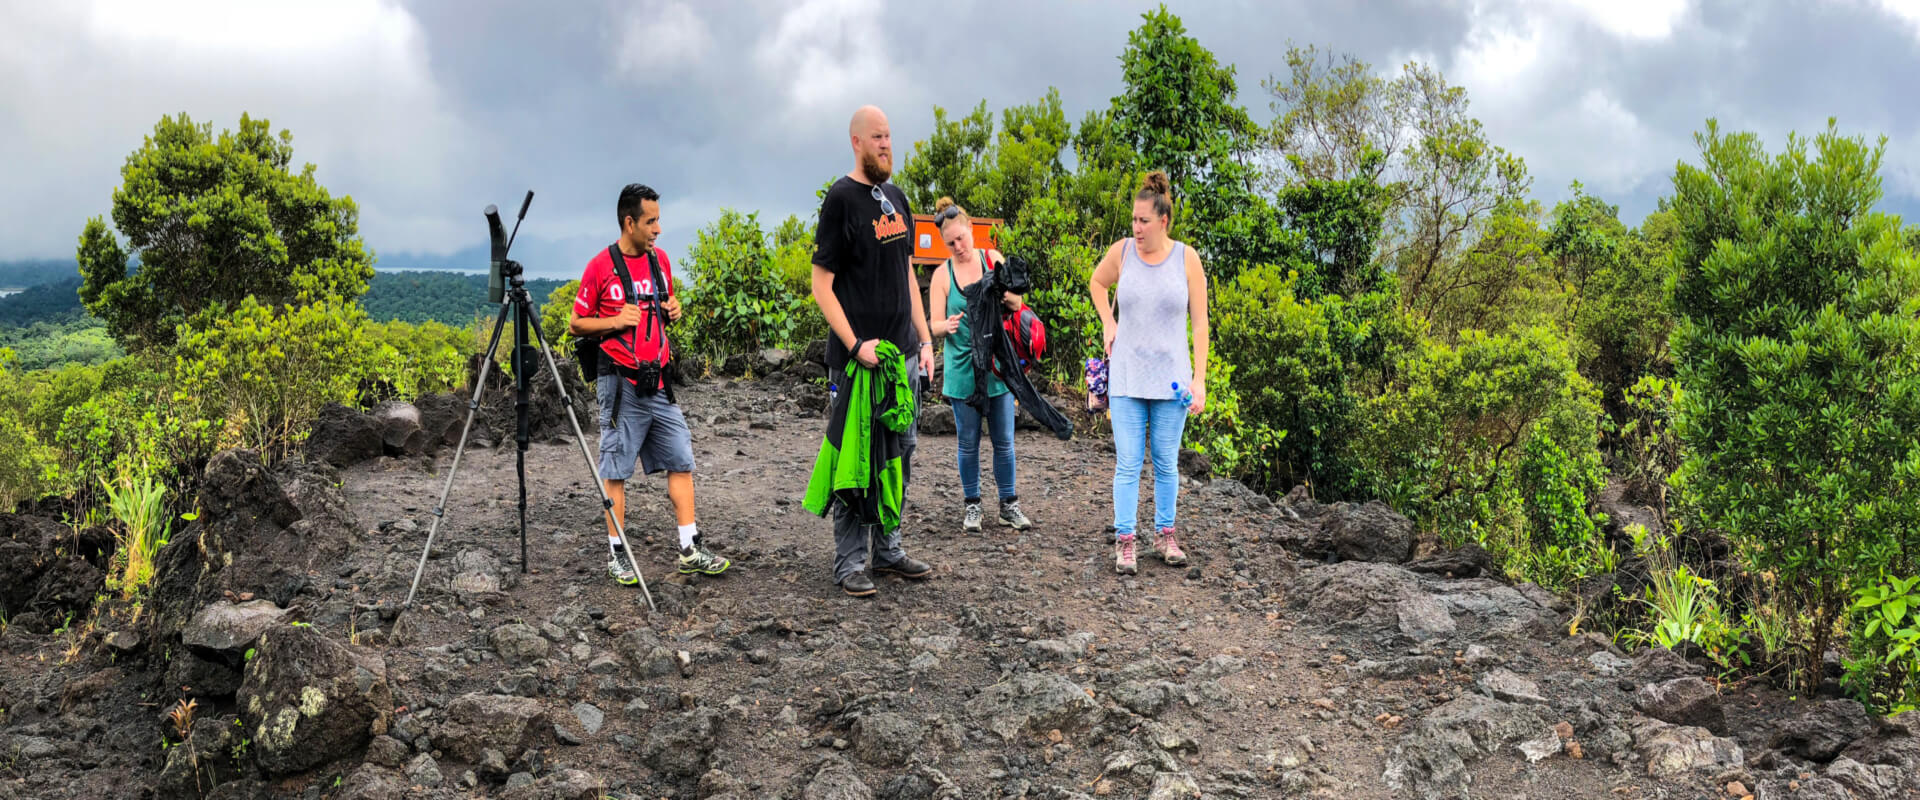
x=427 y=111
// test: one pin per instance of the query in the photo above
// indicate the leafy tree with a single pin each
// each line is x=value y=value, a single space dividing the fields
x=213 y=220
x=1617 y=282
x=1445 y=185
x=1177 y=109
x=1797 y=340
x=992 y=174
x=1177 y=113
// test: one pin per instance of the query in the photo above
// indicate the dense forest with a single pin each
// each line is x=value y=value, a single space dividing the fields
x=452 y=298
x=46 y=326
x=1395 y=317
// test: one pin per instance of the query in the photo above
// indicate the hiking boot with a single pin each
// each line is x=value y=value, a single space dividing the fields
x=1169 y=547
x=696 y=559
x=1012 y=517
x=858 y=585
x=972 y=522
x=1123 y=560
x=906 y=567
x=622 y=569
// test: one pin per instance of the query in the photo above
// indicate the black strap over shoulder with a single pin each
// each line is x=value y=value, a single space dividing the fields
x=654 y=317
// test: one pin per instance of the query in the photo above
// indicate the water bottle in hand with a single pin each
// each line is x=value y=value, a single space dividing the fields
x=1185 y=397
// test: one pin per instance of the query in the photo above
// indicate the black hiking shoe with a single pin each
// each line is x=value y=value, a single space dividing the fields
x=907 y=567
x=858 y=585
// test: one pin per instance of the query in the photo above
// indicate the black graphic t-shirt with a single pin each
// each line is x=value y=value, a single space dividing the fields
x=867 y=251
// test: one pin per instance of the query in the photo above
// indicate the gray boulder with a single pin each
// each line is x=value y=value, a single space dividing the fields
x=836 y=780
x=1371 y=532
x=886 y=739
x=519 y=643
x=679 y=745
x=936 y=419
x=480 y=722
x=401 y=431
x=1431 y=761
x=226 y=628
x=1682 y=701
x=1672 y=750
x=1034 y=703
x=309 y=700
x=1823 y=730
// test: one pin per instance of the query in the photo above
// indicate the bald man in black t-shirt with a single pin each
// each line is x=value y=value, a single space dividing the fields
x=863 y=280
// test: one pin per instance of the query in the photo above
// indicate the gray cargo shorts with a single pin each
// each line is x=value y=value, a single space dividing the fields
x=650 y=429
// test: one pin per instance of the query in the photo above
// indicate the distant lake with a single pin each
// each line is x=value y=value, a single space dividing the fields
x=10 y=292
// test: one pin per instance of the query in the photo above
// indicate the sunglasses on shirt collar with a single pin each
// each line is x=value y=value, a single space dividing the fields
x=886 y=205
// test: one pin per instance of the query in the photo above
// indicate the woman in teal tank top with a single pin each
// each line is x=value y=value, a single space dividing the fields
x=953 y=283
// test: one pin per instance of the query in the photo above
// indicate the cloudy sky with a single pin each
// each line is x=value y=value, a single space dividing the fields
x=427 y=111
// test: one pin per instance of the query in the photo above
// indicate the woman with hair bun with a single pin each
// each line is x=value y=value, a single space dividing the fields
x=1151 y=384
x=953 y=284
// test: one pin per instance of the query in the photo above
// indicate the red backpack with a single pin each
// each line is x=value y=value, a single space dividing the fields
x=1027 y=335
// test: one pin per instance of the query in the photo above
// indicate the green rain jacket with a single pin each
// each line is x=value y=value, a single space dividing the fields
x=860 y=461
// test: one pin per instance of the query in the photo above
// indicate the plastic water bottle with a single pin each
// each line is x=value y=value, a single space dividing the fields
x=833 y=392
x=1185 y=397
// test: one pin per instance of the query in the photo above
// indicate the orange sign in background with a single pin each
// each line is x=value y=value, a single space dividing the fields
x=928 y=247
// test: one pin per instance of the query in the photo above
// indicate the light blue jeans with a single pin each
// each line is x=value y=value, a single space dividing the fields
x=1000 y=429
x=1135 y=422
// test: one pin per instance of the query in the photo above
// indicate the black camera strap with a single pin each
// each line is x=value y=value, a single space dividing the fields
x=655 y=316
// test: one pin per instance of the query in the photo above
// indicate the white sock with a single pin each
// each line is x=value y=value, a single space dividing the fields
x=613 y=544
x=687 y=532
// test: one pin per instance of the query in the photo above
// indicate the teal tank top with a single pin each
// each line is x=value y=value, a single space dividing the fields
x=957 y=364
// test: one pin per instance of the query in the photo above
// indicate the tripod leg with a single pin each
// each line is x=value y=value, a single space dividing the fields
x=522 y=376
x=473 y=406
x=579 y=437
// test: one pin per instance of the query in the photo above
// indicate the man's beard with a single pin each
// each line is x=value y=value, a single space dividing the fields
x=876 y=174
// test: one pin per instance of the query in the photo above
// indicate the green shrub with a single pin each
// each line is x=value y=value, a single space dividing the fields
x=139 y=506
x=407 y=360
x=739 y=301
x=1295 y=410
x=1493 y=441
x=555 y=314
x=1883 y=670
x=261 y=375
x=29 y=467
x=132 y=424
x=1798 y=341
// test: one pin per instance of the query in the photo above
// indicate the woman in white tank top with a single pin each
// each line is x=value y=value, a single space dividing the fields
x=1151 y=385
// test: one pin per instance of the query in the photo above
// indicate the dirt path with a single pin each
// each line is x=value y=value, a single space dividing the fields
x=1023 y=668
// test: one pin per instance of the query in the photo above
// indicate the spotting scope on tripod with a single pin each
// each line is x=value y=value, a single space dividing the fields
x=506 y=286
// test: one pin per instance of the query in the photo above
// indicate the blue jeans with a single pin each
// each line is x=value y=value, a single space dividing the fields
x=1000 y=428
x=1135 y=421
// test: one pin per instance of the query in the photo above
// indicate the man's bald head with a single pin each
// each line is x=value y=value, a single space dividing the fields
x=872 y=145
x=866 y=119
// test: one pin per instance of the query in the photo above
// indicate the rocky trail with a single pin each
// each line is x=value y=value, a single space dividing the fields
x=1307 y=651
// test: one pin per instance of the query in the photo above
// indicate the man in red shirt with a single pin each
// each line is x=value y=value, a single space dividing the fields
x=638 y=418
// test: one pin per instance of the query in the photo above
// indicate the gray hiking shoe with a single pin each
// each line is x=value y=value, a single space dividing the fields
x=696 y=559
x=1012 y=517
x=972 y=522
x=622 y=569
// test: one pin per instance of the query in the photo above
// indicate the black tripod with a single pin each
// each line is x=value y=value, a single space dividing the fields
x=515 y=302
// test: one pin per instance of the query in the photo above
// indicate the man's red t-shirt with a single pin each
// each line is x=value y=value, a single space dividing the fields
x=602 y=295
